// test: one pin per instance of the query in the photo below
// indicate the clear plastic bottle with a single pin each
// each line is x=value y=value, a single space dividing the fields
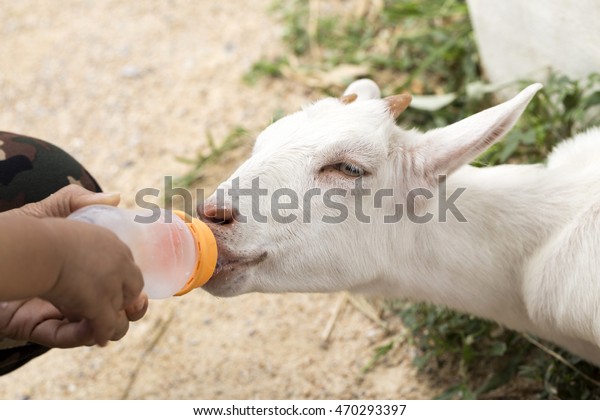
x=175 y=255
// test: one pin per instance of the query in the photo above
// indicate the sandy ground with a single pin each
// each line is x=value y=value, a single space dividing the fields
x=126 y=87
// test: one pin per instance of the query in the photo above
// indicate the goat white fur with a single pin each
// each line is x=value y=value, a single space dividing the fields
x=526 y=257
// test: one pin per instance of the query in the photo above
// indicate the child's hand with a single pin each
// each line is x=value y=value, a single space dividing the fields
x=98 y=277
x=39 y=321
x=73 y=283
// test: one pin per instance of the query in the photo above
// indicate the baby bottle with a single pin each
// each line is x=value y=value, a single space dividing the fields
x=176 y=253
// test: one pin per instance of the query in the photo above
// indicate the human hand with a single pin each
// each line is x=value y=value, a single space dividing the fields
x=97 y=287
x=39 y=321
x=64 y=202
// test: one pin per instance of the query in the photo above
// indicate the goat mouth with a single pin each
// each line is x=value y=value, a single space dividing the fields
x=227 y=264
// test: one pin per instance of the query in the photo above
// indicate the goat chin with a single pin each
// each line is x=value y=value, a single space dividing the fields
x=521 y=247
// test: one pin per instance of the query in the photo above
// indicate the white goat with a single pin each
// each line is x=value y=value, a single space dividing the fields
x=526 y=256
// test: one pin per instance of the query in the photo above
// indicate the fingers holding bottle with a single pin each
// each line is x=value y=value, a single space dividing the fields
x=98 y=279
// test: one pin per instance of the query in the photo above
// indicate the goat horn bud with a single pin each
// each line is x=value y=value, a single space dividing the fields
x=348 y=99
x=398 y=103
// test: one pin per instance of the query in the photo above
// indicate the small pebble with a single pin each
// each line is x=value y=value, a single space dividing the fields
x=131 y=72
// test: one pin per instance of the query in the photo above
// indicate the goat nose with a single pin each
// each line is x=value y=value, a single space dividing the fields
x=209 y=212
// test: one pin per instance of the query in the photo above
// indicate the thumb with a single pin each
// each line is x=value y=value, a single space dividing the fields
x=81 y=200
x=67 y=200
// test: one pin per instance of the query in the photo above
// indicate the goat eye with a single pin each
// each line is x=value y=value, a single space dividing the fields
x=350 y=169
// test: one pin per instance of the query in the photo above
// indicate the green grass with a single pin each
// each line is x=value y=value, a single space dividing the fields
x=427 y=47
x=213 y=154
x=416 y=45
x=201 y=166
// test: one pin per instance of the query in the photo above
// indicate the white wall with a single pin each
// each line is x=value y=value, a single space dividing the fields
x=521 y=38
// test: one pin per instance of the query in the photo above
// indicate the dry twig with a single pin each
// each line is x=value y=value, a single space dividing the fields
x=162 y=328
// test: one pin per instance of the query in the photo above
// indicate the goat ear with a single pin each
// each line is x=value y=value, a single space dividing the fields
x=348 y=99
x=363 y=89
x=458 y=144
x=398 y=103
